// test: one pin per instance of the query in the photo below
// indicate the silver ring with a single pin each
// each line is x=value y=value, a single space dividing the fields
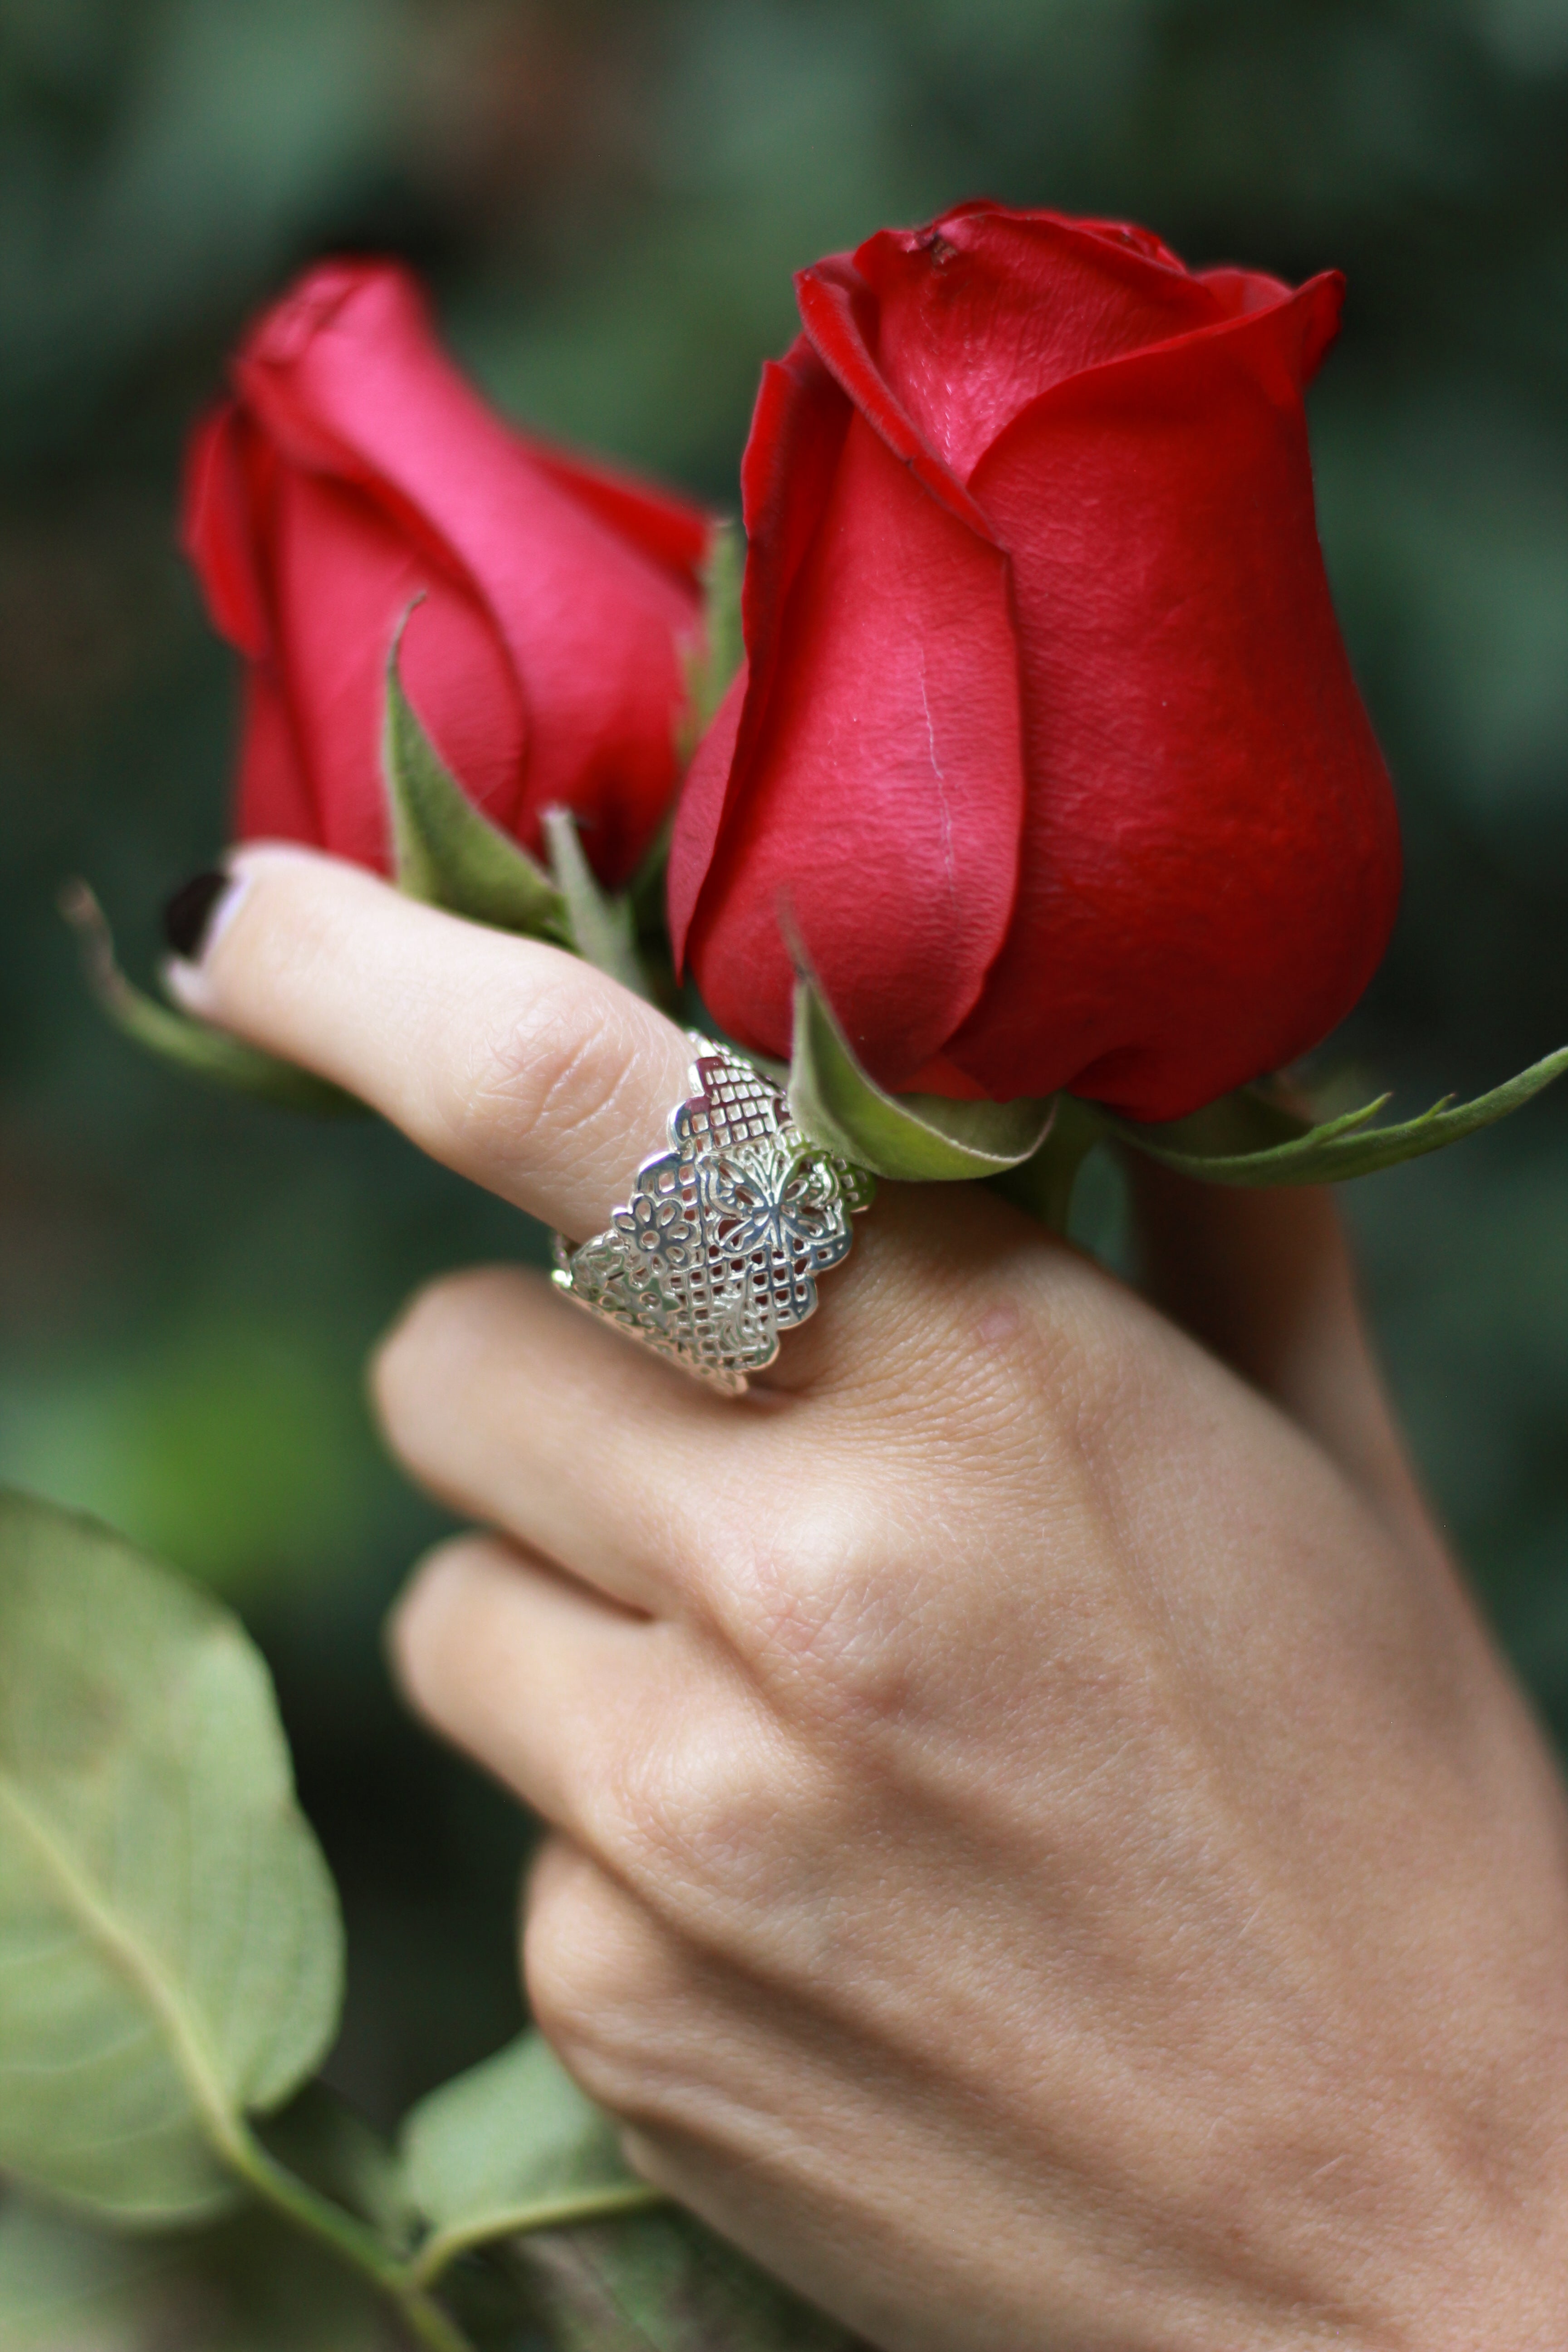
x=717 y=1250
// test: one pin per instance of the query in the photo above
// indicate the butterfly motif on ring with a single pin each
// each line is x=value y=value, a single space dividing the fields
x=783 y=1204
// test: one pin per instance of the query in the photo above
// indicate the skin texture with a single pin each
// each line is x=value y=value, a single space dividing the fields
x=1045 y=1854
x=1047 y=737
x=353 y=470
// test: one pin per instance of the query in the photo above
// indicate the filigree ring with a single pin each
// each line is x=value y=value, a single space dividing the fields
x=717 y=1250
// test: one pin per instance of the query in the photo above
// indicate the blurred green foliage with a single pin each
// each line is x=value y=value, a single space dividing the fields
x=609 y=199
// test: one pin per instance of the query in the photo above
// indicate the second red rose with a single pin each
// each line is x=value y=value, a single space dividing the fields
x=354 y=469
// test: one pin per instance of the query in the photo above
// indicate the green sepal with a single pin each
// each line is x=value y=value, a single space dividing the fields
x=646 y=888
x=912 y=1139
x=602 y=930
x=711 y=660
x=650 y=921
x=1247 y=1140
x=1043 y=1186
x=192 y=1045
x=445 y=851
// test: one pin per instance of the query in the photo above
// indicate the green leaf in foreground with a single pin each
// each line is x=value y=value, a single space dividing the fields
x=174 y=1037
x=662 y=2282
x=444 y=850
x=170 y=1947
x=909 y=1138
x=511 y=2146
x=248 y=2285
x=1206 y=1144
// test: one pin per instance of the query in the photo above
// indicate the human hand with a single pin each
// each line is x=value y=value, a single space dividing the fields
x=1044 y=1853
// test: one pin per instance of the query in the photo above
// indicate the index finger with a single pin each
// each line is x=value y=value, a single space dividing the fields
x=514 y=1063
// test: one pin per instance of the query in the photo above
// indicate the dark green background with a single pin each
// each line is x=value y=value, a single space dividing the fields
x=609 y=201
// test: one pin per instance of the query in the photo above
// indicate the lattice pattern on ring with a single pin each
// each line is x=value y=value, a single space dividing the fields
x=717 y=1250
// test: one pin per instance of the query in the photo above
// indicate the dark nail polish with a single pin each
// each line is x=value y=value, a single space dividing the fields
x=187 y=916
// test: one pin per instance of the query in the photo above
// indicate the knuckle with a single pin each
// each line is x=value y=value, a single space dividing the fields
x=598 y=1982
x=1100 y=1375
x=1086 y=1346
x=1052 y=1375
x=694 y=1817
x=537 y=1075
x=821 y=1604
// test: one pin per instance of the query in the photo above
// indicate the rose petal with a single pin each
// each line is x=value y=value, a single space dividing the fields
x=274 y=801
x=700 y=813
x=836 y=310
x=668 y=531
x=1208 y=799
x=883 y=794
x=226 y=466
x=349 y=379
x=798 y=432
x=338 y=554
x=984 y=309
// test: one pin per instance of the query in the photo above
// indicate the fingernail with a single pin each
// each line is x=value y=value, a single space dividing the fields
x=188 y=914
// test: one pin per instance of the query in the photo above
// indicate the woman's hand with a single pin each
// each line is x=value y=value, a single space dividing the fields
x=1044 y=1855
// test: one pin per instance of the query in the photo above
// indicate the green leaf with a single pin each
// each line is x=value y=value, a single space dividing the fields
x=602 y=930
x=1216 y=1144
x=662 y=2282
x=444 y=850
x=65 y=2288
x=192 y=1045
x=511 y=2146
x=910 y=1138
x=170 y=1947
x=248 y=2285
x=712 y=662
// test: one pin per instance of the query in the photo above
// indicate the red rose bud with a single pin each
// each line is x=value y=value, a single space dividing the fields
x=1047 y=746
x=353 y=470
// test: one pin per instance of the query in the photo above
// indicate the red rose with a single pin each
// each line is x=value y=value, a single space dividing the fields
x=355 y=468
x=1047 y=739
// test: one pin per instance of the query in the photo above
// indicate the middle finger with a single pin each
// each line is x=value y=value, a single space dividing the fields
x=543 y=1684
x=514 y=1407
